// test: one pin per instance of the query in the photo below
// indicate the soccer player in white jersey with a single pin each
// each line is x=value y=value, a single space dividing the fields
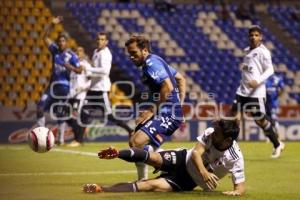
x=251 y=94
x=80 y=84
x=215 y=155
x=101 y=84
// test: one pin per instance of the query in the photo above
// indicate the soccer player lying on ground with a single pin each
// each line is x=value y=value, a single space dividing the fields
x=215 y=155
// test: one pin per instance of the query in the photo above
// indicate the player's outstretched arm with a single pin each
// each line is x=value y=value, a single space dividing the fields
x=49 y=28
x=70 y=67
x=239 y=189
x=210 y=179
x=181 y=83
x=145 y=115
x=165 y=90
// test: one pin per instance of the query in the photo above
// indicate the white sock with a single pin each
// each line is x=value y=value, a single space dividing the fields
x=142 y=168
x=61 y=132
x=41 y=121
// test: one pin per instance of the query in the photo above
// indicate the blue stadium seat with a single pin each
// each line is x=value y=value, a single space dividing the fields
x=218 y=68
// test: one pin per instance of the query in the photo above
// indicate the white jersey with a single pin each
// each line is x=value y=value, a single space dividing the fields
x=220 y=163
x=79 y=82
x=101 y=65
x=257 y=65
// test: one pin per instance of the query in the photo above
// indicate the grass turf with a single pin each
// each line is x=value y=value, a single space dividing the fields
x=27 y=175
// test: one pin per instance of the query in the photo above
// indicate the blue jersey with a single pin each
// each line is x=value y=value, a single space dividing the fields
x=274 y=84
x=155 y=71
x=170 y=115
x=61 y=74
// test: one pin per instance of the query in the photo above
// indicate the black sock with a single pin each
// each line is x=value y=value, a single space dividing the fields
x=270 y=133
x=134 y=155
x=120 y=123
x=121 y=187
x=77 y=130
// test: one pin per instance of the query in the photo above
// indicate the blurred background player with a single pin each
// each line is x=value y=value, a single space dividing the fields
x=80 y=84
x=274 y=87
x=251 y=94
x=97 y=95
x=165 y=116
x=214 y=156
x=63 y=62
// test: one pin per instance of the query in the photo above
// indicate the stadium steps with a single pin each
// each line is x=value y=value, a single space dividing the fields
x=85 y=39
x=280 y=33
x=23 y=52
x=72 y=26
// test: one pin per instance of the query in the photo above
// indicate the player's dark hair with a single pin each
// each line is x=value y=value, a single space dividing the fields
x=62 y=35
x=103 y=33
x=141 y=41
x=255 y=28
x=229 y=128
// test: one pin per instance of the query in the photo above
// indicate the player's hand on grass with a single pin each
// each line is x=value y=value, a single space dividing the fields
x=211 y=180
x=57 y=20
x=232 y=193
x=144 y=116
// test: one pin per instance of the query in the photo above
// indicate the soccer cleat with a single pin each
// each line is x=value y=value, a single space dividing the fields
x=276 y=152
x=109 y=153
x=74 y=143
x=60 y=143
x=92 y=188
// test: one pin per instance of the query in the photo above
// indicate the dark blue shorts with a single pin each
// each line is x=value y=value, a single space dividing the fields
x=159 y=128
x=49 y=97
x=175 y=170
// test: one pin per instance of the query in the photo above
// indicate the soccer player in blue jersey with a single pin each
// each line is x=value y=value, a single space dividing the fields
x=274 y=88
x=162 y=119
x=63 y=62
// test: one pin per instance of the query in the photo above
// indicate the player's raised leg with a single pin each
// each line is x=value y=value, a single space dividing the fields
x=132 y=155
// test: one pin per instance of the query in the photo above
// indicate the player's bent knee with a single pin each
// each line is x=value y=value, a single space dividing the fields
x=155 y=159
x=136 y=142
x=262 y=122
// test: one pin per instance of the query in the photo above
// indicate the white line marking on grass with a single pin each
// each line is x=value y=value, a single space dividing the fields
x=68 y=173
x=76 y=152
x=12 y=148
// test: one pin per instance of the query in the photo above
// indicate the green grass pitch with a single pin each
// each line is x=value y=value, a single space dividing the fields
x=59 y=175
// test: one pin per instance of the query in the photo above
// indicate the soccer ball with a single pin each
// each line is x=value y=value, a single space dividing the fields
x=41 y=139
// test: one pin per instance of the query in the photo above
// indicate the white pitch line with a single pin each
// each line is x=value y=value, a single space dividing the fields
x=68 y=173
x=75 y=152
x=11 y=148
